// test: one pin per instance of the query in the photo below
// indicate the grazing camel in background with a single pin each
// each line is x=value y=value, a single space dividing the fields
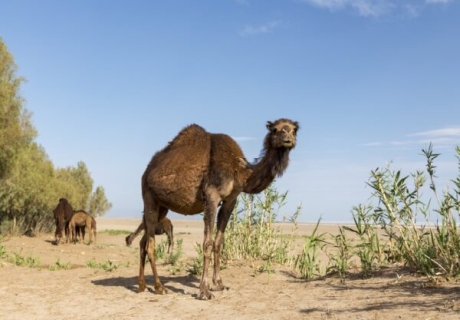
x=62 y=214
x=82 y=219
x=81 y=230
x=196 y=172
x=164 y=226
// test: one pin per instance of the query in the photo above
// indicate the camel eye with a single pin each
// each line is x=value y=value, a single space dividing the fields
x=274 y=130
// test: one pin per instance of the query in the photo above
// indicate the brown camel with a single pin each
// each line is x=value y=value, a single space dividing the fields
x=195 y=173
x=163 y=226
x=62 y=214
x=82 y=219
x=81 y=231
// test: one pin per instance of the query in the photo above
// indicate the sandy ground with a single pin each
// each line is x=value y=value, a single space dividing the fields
x=81 y=292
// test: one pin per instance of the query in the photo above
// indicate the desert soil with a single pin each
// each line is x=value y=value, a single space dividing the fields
x=81 y=292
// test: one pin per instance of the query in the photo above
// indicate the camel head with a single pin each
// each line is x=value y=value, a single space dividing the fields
x=282 y=134
x=274 y=157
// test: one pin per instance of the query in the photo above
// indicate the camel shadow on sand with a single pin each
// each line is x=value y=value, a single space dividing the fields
x=131 y=284
x=53 y=242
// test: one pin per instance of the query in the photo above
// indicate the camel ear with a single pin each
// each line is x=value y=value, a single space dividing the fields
x=297 y=126
x=269 y=125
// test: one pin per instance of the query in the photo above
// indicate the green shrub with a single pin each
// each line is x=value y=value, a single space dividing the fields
x=431 y=250
x=58 y=265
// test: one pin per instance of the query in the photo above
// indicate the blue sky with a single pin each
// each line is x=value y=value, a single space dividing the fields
x=370 y=81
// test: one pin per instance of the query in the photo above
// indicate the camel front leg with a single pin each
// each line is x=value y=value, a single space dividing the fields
x=208 y=243
x=142 y=255
x=159 y=289
x=222 y=220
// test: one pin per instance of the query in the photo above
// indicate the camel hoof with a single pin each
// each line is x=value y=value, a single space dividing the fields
x=159 y=289
x=205 y=295
x=220 y=287
x=141 y=287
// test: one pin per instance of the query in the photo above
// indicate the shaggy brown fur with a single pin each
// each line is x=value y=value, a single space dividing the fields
x=196 y=172
x=82 y=219
x=62 y=214
x=164 y=226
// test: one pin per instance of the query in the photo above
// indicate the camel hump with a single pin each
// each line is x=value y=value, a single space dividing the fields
x=63 y=209
x=175 y=173
x=225 y=151
x=191 y=134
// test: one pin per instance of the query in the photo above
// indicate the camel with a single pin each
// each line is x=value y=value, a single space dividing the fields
x=198 y=171
x=62 y=214
x=82 y=219
x=164 y=226
x=80 y=231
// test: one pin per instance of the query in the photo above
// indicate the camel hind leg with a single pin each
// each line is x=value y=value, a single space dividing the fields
x=152 y=212
x=89 y=226
x=93 y=229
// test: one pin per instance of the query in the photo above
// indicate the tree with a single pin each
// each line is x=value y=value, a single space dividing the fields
x=30 y=185
x=27 y=196
x=76 y=185
x=98 y=203
x=16 y=130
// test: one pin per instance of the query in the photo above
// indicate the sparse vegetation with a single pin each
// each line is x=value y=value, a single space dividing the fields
x=307 y=262
x=58 y=265
x=108 y=265
x=431 y=248
x=22 y=261
x=253 y=234
x=386 y=231
x=3 y=253
x=175 y=255
x=196 y=268
x=112 y=232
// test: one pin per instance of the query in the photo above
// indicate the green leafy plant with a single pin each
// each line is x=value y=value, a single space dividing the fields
x=108 y=265
x=253 y=233
x=92 y=263
x=307 y=262
x=429 y=250
x=58 y=265
x=175 y=255
x=19 y=260
x=339 y=260
x=3 y=253
x=196 y=268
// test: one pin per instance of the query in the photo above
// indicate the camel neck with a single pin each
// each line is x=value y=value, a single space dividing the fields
x=271 y=165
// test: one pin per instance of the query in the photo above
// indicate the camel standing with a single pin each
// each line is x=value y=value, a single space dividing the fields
x=62 y=214
x=195 y=172
x=164 y=226
x=82 y=219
